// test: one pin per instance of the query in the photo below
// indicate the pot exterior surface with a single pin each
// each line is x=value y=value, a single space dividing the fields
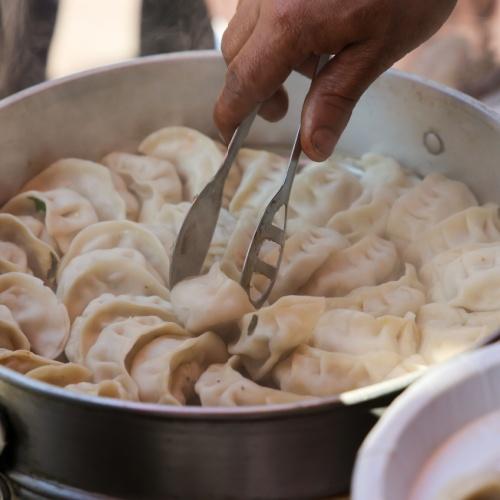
x=59 y=447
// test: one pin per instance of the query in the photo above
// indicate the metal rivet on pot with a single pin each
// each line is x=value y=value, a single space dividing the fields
x=433 y=143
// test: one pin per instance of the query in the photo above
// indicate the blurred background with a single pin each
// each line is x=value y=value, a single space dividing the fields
x=53 y=38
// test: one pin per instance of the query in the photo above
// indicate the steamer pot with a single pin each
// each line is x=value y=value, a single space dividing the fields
x=62 y=445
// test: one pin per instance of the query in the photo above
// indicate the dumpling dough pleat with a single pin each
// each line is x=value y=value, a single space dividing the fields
x=61 y=375
x=89 y=179
x=11 y=335
x=23 y=361
x=223 y=385
x=371 y=261
x=212 y=302
x=280 y=328
x=316 y=372
x=104 y=389
x=108 y=309
x=429 y=202
x=120 y=234
x=63 y=212
x=153 y=181
x=166 y=369
x=394 y=298
x=35 y=308
x=117 y=271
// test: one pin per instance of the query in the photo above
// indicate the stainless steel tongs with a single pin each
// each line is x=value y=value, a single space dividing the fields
x=193 y=241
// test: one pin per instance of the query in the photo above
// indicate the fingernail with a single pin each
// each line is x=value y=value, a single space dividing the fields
x=324 y=140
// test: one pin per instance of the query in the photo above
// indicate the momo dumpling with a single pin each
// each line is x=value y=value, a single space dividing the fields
x=209 y=302
x=172 y=216
x=272 y=332
x=108 y=309
x=24 y=361
x=195 y=156
x=315 y=372
x=36 y=310
x=223 y=385
x=104 y=389
x=371 y=261
x=107 y=356
x=429 y=202
x=120 y=234
x=414 y=364
x=166 y=368
x=354 y=332
x=467 y=277
x=61 y=375
x=320 y=191
x=304 y=253
x=447 y=331
x=473 y=225
x=223 y=231
x=63 y=212
x=117 y=271
x=394 y=298
x=11 y=335
x=151 y=180
x=263 y=175
x=89 y=179
x=21 y=251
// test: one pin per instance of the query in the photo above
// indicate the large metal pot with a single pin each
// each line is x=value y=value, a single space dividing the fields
x=61 y=445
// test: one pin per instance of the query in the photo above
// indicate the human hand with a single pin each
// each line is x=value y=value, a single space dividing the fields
x=268 y=39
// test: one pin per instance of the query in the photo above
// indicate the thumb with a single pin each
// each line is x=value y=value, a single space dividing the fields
x=332 y=97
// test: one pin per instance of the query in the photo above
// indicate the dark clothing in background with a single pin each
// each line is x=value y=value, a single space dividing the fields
x=27 y=26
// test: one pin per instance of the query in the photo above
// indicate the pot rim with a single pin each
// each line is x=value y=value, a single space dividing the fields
x=365 y=395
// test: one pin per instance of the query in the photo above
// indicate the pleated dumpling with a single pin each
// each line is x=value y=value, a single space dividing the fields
x=272 y=332
x=104 y=389
x=226 y=225
x=224 y=385
x=61 y=375
x=63 y=213
x=117 y=271
x=120 y=234
x=108 y=309
x=319 y=191
x=11 y=335
x=429 y=202
x=467 y=277
x=107 y=357
x=447 y=331
x=393 y=298
x=195 y=156
x=21 y=251
x=166 y=368
x=304 y=253
x=38 y=313
x=172 y=216
x=209 y=302
x=24 y=361
x=152 y=181
x=263 y=174
x=369 y=262
x=315 y=372
x=89 y=179
x=472 y=225
x=354 y=332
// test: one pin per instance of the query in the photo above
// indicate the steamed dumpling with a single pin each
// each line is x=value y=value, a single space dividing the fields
x=24 y=361
x=108 y=309
x=151 y=180
x=473 y=225
x=117 y=271
x=355 y=332
x=120 y=234
x=166 y=367
x=89 y=179
x=223 y=385
x=63 y=212
x=429 y=202
x=371 y=261
x=104 y=389
x=394 y=298
x=209 y=302
x=40 y=316
x=320 y=191
x=196 y=157
x=61 y=375
x=272 y=332
x=11 y=335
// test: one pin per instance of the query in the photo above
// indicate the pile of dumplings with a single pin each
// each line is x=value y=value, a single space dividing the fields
x=383 y=274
